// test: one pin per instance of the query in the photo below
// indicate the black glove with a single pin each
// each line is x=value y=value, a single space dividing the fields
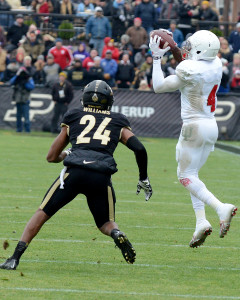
x=146 y=186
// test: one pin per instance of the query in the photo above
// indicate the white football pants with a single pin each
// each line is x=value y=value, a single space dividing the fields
x=195 y=143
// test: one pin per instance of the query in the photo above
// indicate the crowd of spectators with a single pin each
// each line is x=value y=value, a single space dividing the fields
x=114 y=47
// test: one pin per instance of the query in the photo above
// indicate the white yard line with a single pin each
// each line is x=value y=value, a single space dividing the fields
x=78 y=291
x=126 y=265
x=110 y=242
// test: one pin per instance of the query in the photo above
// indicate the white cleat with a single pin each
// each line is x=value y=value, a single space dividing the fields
x=203 y=230
x=226 y=213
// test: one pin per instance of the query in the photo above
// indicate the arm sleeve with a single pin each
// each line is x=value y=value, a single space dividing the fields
x=140 y=152
x=161 y=84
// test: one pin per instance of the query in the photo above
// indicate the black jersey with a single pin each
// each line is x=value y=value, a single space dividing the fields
x=94 y=135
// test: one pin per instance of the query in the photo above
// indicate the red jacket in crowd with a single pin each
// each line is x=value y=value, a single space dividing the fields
x=88 y=63
x=109 y=46
x=62 y=56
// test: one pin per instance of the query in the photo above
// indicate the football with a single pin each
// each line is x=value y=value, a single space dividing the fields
x=166 y=36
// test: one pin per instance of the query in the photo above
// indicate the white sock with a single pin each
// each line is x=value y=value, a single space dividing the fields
x=199 y=209
x=199 y=190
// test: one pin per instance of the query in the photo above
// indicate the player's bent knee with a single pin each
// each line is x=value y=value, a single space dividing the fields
x=185 y=181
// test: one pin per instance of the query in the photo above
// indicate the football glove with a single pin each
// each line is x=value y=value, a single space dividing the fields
x=68 y=151
x=154 y=46
x=146 y=186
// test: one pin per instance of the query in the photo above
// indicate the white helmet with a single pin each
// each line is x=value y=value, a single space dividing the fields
x=203 y=44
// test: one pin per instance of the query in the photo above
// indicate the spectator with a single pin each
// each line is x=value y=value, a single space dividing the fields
x=235 y=83
x=97 y=28
x=62 y=95
x=225 y=50
x=23 y=84
x=15 y=33
x=139 y=76
x=2 y=37
x=235 y=65
x=33 y=27
x=4 y=18
x=81 y=53
x=66 y=8
x=177 y=33
x=11 y=69
x=33 y=47
x=61 y=54
x=147 y=68
x=39 y=75
x=109 y=45
x=224 y=85
x=195 y=13
x=143 y=86
x=185 y=16
x=96 y=71
x=125 y=47
x=27 y=63
x=40 y=6
x=3 y=62
x=55 y=6
x=140 y=57
x=169 y=11
x=106 y=6
x=138 y=35
x=15 y=4
x=207 y=14
x=20 y=55
x=129 y=13
x=170 y=67
x=125 y=73
x=51 y=71
x=77 y=76
x=49 y=42
x=85 y=9
x=234 y=39
x=147 y=13
x=109 y=66
x=118 y=19
x=89 y=61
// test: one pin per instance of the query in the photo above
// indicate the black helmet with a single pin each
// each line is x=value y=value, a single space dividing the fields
x=98 y=94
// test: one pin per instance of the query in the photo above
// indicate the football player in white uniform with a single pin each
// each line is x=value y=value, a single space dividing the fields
x=197 y=78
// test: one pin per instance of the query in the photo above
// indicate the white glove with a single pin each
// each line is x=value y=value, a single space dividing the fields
x=146 y=186
x=157 y=53
x=68 y=151
x=122 y=18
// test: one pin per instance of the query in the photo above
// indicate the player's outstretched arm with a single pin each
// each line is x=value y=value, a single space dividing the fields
x=133 y=143
x=56 y=153
x=161 y=84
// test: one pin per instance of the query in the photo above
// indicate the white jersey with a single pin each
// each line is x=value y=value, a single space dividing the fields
x=198 y=96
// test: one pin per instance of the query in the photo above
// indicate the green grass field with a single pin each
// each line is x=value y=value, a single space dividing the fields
x=71 y=259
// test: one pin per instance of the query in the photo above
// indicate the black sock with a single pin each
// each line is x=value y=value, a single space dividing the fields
x=114 y=233
x=19 y=250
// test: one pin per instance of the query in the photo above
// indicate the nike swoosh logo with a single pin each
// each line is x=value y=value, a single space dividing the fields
x=88 y=162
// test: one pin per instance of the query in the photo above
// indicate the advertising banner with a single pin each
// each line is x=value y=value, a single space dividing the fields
x=150 y=114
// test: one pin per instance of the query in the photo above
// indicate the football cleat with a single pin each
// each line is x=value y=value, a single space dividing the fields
x=10 y=264
x=125 y=246
x=226 y=213
x=202 y=231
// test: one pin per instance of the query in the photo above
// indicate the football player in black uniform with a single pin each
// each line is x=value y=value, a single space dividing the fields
x=94 y=132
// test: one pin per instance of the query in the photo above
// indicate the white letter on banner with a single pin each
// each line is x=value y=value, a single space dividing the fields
x=115 y=109
x=133 y=111
x=150 y=111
